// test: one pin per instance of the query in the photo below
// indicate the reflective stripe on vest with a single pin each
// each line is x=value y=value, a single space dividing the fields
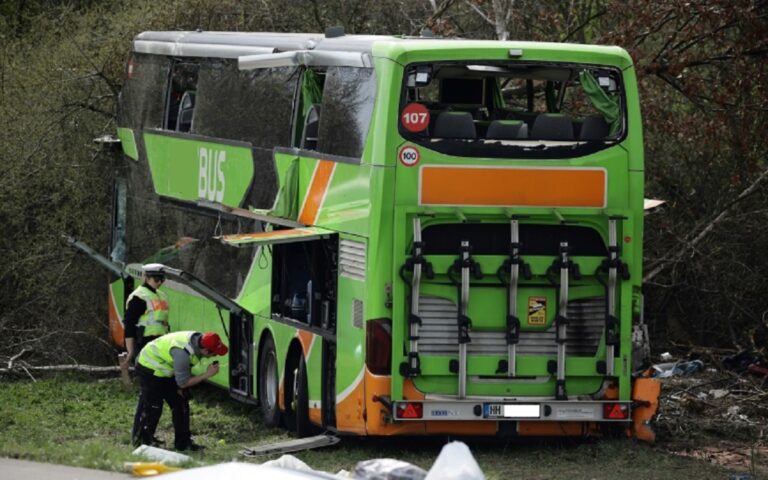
x=156 y=355
x=155 y=317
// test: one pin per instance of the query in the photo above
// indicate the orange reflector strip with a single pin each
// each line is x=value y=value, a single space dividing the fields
x=536 y=187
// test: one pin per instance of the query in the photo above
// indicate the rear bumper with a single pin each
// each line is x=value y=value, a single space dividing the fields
x=518 y=410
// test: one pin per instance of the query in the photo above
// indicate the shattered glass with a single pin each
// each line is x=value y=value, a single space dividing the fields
x=348 y=96
x=142 y=99
x=254 y=106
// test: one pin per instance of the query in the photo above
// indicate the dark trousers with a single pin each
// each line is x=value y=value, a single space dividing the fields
x=141 y=341
x=155 y=391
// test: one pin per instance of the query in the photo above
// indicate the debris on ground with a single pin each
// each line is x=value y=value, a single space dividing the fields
x=676 y=369
x=290 y=446
x=388 y=468
x=454 y=462
x=730 y=404
x=161 y=455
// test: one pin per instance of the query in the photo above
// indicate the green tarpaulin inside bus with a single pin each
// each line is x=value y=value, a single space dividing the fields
x=606 y=104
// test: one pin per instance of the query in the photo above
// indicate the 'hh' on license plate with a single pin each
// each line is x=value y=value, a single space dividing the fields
x=499 y=410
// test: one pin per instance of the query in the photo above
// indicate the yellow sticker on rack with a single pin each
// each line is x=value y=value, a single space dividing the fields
x=537 y=310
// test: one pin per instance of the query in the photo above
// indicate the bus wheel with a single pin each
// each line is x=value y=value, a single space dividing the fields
x=269 y=383
x=304 y=428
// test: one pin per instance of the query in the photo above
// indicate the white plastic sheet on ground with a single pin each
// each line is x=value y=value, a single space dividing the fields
x=243 y=471
x=455 y=462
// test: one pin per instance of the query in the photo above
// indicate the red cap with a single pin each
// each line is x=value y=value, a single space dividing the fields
x=211 y=342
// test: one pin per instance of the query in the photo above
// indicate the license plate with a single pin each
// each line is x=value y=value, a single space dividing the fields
x=500 y=410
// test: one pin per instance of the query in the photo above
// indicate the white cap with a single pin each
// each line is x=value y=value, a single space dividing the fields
x=153 y=269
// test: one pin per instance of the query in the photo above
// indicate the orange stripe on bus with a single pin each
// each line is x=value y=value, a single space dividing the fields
x=115 y=322
x=296 y=232
x=318 y=187
x=349 y=410
x=305 y=338
x=316 y=416
x=535 y=187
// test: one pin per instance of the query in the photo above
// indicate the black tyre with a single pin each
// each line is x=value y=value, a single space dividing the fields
x=269 y=384
x=304 y=428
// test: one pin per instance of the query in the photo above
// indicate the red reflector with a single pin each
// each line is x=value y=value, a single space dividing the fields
x=615 y=411
x=378 y=346
x=410 y=410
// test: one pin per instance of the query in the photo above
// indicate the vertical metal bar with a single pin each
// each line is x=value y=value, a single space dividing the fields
x=613 y=249
x=415 y=293
x=514 y=276
x=562 y=320
x=463 y=314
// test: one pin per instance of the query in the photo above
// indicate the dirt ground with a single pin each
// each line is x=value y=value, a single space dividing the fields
x=718 y=416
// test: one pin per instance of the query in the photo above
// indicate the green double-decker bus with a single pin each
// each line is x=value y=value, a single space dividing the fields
x=396 y=235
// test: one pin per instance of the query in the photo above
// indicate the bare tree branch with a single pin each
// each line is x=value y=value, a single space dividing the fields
x=691 y=244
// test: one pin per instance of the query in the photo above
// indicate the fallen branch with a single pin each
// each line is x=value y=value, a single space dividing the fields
x=16 y=357
x=60 y=368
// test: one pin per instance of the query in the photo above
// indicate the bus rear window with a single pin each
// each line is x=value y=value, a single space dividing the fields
x=512 y=109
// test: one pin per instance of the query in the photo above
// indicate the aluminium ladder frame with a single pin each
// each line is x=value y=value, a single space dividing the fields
x=561 y=335
x=513 y=322
x=615 y=266
x=464 y=324
x=414 y=320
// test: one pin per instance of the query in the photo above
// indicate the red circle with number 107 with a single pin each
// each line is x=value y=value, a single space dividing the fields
x=415 y=117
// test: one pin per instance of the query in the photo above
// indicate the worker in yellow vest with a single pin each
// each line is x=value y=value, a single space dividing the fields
x=146 y=311
x=164 y=367
x=146 y=318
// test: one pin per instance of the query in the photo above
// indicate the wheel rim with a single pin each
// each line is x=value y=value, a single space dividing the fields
x=271 y=380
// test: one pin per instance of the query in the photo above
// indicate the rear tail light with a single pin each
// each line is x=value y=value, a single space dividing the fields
x=409 y=410
x=378 y=346
x=615 y=411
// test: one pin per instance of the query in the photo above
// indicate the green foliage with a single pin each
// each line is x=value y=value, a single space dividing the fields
x=81 y=422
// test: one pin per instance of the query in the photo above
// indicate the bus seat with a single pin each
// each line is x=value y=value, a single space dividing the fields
x=594 y=127
x=507 y=130
x=552 y=126
x=186 y=112
x=311 y=128
x=455 y=125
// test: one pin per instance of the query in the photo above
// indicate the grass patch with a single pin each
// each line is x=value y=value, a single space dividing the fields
x=84 y=422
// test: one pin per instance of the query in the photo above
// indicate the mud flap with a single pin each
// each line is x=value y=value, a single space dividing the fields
x=645 y=394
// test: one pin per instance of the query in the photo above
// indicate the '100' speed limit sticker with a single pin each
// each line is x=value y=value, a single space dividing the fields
x=409 y=156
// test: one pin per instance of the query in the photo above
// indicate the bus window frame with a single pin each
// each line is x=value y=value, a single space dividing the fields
x=574 y=149
x=175 y=61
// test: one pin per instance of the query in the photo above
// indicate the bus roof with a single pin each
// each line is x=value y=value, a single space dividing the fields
x=237 y=44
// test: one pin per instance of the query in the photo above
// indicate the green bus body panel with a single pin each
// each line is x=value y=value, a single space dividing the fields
x=347 y=205
x=349 y=332
x=190 y=169
x=128 y=142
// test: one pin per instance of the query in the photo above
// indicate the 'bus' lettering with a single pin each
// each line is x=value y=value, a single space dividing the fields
x=211 y=181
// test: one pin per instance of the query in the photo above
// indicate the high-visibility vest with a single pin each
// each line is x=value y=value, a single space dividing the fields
x=156 y=355
x=155 y=318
